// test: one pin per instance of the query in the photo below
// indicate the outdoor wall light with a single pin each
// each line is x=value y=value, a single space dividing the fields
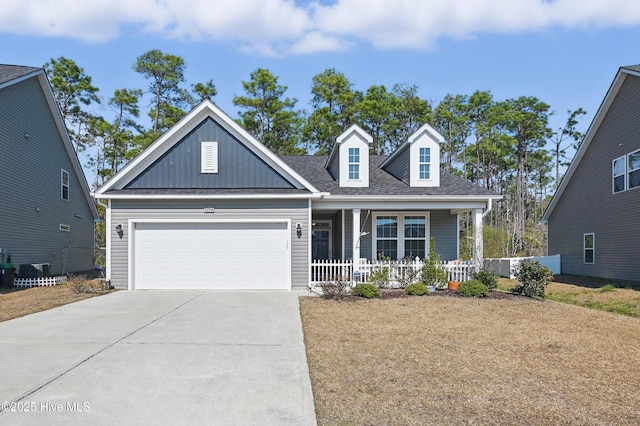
x=119 y=227
x=299 y=229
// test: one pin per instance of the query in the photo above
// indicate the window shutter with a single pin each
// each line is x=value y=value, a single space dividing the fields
x=209 y=157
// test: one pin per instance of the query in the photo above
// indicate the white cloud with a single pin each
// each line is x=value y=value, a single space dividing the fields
x=276 y=27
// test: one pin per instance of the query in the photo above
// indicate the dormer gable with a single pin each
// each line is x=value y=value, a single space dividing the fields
x=348 y=161
x=417 y=161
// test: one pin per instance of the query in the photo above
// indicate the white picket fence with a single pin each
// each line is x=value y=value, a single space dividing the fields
x=39 y=282
x=505 y=266
x=399 y=271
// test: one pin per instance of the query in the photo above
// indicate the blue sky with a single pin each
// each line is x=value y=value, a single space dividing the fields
x=565 y=52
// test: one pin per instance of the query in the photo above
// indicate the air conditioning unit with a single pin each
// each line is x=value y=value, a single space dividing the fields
x=34 y=270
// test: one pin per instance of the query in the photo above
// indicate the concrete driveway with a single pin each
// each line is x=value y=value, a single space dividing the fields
x=158 y=357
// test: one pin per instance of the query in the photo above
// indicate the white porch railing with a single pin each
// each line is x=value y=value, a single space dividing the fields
x=400 y=272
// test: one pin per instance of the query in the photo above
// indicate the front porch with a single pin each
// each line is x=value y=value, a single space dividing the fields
x=381 y=238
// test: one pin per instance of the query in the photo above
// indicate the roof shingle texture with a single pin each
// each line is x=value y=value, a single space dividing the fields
x=380 y=182
x=11 y=72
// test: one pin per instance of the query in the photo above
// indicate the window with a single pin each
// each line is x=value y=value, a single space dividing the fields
x=65 y=228
x=411 y=242
x=208 y=157
x=589 y=248
x=619 y=174
x=425 y=163
x=64 y=183
x=414 y=236
x=354 y=163
x=633 y=169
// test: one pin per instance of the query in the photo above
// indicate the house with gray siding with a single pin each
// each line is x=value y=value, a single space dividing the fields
x=207 y=206
x=47 y=213
x=590 y=219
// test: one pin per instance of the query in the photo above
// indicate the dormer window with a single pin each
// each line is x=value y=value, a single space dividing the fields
x=354 y=163
x=425 y=163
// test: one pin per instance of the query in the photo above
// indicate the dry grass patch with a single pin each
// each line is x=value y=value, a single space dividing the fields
x=447 y=360
x=595 y=293
x=17 y=302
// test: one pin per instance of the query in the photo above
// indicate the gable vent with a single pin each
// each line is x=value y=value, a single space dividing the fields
x=209 y=157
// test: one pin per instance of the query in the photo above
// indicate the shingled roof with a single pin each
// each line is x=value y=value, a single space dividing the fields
x=311 y=167
x=11 y=72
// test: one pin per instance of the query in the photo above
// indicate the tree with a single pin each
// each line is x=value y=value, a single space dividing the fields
x=374 y=114
x=410 y=113
x=334 y=107
x=453 y=122
x=567 y=132
x=166 y=73
x=72 y=87
x=204 y=91
x=268 y=116
x=526 y=121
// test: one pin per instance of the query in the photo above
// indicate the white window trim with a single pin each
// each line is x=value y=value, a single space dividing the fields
x=62 y=184
x=420 y=163
x=400 y=238
x=208 y=157
x=628 y=171
x=353 y=163
x=585 y=248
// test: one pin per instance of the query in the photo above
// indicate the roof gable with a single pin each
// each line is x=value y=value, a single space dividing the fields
x=204 y=123
x=11 y=75
x=238 y=166
x=599 y=117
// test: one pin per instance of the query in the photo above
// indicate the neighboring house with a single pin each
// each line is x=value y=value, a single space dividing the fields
x=592 y=219
x=47 y=214
x=208 y=206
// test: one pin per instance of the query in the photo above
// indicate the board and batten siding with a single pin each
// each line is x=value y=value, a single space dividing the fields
x=294 y=210
x=588 y=204
x=30 y=180
x=238 y=167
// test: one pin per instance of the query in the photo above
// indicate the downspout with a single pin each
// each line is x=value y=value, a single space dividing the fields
x=489 y=208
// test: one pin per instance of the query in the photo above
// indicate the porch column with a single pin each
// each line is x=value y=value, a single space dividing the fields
x=356 y=239
x=478 y=249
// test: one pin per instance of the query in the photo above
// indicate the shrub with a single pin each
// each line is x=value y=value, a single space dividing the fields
x=380 y=277
x=432 y=274
x=336 y=290
x=473 y=288
x=80 y=284
x=607 y=288
x=487 y=278
x=366 y=290
x=416 y=289
x=533 y=278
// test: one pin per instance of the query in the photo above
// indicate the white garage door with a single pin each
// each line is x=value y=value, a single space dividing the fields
x=211 y=256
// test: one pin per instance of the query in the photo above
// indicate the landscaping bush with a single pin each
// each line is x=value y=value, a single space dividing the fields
x=369 y=291
x=380 y=277
x=533 y=278
x=336 y=290
x=416 y=289
x=473 y=288
x=80 y=284
x=432 y=274
x=487 y=278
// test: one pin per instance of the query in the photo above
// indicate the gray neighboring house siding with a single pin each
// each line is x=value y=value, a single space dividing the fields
x=295 y=210
x=30 y=176
x=588 y=204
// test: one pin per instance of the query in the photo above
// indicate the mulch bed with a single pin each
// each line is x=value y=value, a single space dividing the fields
x=394 y=293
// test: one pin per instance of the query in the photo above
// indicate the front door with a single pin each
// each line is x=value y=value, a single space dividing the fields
x=321 y=241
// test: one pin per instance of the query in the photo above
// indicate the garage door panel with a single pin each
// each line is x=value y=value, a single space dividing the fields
x=212 y=256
